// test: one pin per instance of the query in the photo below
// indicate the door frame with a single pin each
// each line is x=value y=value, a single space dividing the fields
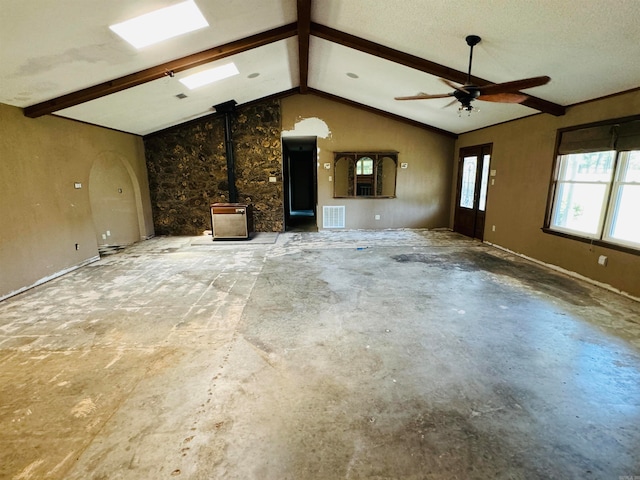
x=306 y=143
x=471 y=221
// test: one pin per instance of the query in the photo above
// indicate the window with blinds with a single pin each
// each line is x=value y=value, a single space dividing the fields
x=595 y=189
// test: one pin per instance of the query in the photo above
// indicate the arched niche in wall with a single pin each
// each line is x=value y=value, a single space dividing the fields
x=115 y=199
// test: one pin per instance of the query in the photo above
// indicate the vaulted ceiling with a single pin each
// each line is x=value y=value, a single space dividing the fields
x=61 y=58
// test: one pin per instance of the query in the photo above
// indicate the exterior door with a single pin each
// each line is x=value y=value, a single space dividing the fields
x=471 y=196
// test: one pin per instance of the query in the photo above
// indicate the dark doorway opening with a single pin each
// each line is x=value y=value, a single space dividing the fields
x=300 y=183
x=471 y=195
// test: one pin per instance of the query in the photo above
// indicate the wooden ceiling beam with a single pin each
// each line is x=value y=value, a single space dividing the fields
x=382 y=113
x=160 y=71
x=417 y=63
x=304 y=31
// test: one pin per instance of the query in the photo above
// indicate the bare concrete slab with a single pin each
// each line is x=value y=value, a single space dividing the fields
x=329 y=355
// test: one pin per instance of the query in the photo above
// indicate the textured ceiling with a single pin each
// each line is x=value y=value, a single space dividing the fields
x=589 y=48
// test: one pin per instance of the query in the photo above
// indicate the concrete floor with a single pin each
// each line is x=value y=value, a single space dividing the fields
x=330 y=355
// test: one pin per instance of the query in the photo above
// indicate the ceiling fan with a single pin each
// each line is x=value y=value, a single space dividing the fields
x=508 y=92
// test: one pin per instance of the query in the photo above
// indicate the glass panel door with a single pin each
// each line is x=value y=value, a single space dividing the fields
x=484 y=183
x=468 y=187
x=473 y=183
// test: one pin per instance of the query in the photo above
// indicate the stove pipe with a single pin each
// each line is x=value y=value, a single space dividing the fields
x=228 y=108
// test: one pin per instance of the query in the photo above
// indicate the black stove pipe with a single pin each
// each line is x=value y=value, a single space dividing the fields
x=228 y=108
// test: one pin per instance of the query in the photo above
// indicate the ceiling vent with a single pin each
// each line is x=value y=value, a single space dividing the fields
x=181 y=96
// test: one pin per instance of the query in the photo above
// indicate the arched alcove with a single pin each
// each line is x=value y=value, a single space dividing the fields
x=116 y=206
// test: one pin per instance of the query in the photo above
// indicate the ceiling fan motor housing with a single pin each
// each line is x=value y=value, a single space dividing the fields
x=506 y=92
x=466 y=98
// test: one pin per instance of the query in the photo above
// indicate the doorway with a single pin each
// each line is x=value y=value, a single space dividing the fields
x=471 y=193
x=300 y=183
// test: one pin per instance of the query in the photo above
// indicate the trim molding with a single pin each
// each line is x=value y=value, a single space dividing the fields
x=51 y=277
x=570 y=273
x=593 y=241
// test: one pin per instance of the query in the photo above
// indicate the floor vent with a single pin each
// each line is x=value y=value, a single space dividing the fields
x=333 y=217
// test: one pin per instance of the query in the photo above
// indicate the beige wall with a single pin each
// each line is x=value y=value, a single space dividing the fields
x=523 y=154
x=422 y=190
x=42 y=215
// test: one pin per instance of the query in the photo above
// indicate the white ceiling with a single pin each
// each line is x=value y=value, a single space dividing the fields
x=589 y=48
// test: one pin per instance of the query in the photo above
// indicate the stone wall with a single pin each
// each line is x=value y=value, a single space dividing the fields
x=187 y=170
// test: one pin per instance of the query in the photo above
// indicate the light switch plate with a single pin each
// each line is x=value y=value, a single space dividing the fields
x=404 y=165
x=327 y=166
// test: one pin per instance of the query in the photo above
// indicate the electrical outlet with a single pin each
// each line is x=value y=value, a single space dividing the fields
x=602 y=260
x=377 y=217
x=493 y=228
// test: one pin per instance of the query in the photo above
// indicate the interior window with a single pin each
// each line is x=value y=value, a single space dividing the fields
x=365 y=174
x=364 y=166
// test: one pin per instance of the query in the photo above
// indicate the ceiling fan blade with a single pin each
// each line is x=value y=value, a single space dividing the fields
x=454 y=86
x=424 y=96
x=506 y=97
x=509 y=87
x=452 y=102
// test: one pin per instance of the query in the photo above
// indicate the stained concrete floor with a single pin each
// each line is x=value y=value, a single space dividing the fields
x=332 y=355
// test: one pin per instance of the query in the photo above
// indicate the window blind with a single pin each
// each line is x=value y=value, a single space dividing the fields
x=613 y=136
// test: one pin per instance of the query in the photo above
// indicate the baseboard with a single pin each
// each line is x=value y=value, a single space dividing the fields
x=570 y=273
x=51 y=277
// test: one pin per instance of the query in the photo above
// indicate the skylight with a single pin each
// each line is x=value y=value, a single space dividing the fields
x=161 y=24
x=210 y=75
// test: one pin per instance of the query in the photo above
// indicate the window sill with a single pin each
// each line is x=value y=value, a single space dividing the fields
x=366 y=197
x=600 y=243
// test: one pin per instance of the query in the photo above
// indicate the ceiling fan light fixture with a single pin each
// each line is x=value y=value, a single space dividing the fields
x=505 y=92
x=205 y=77
x=162 y=24
x=467 y=108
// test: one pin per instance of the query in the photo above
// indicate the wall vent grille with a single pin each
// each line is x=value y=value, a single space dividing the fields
x=333 y=216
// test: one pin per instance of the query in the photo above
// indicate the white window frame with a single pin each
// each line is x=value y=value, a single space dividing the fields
x=608 y=207
x=621 y=165
x=563 y=160
x=621 y=136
